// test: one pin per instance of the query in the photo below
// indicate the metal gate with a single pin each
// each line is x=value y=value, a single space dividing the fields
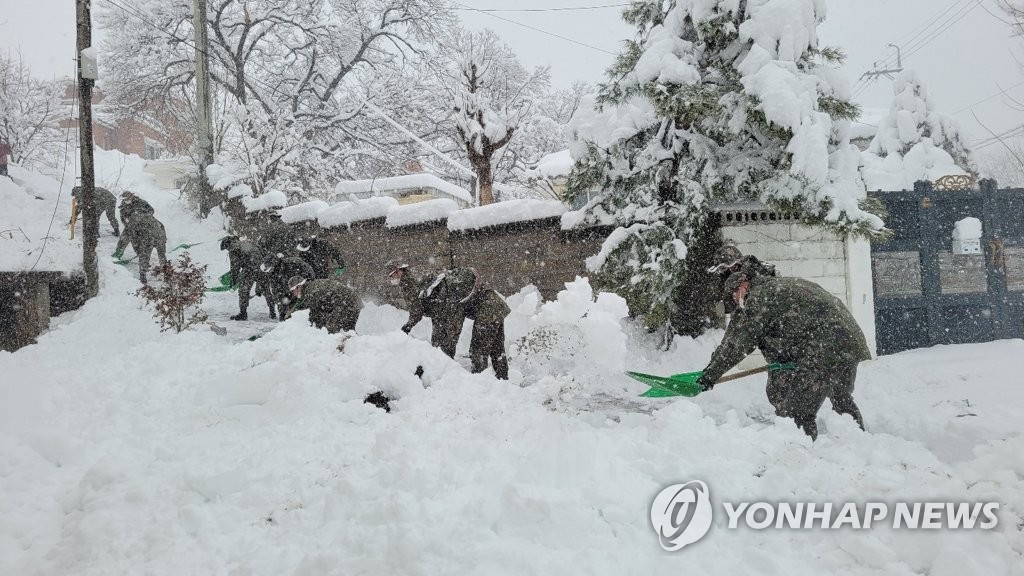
x=925 y=294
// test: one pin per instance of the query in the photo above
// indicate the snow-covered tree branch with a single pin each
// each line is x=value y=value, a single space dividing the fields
x=30 y=114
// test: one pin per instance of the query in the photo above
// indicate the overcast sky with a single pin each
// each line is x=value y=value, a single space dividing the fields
x=970 y=60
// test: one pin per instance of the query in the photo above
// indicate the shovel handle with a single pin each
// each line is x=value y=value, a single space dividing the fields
x=743 y=374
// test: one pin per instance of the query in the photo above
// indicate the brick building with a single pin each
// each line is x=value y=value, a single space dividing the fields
x=152 y=133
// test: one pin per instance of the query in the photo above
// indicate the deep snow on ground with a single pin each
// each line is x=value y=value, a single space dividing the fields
x=124 y=450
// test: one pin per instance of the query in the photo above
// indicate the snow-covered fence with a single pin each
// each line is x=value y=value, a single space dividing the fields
x=843 y=267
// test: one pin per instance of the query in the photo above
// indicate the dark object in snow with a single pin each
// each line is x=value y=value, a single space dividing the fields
x=419 y=372
x=379 y=400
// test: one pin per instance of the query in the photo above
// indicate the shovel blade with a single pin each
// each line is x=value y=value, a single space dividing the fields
x=664 y=387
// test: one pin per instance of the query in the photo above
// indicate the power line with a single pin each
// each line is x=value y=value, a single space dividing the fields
x=553 y=9
x=987 y=98
x=535 y=29
x=60 y=187
x=952 y=21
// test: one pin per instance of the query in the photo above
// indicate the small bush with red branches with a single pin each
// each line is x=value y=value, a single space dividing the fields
x=180 y=290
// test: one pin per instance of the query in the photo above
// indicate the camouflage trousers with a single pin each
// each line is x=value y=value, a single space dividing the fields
x=799 y=394
x=145 y=251
x=245 y=283
x=446 y=332
x=488 y=343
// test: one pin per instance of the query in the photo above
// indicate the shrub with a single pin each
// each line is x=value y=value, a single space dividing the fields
x=182 y=286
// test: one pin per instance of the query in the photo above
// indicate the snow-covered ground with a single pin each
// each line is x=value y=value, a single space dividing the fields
x=124 y=450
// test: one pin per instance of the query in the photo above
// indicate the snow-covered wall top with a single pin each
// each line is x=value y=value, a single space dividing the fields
x=271 y=199
x=346 y=213
x=420 y=212
x=408 y=182
x=504 y=213
x=302 y=212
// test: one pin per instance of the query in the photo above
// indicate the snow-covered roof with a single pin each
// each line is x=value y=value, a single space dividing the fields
x=554 y=165
x=346 y=213
x=420 y=212
x=401 y=183
x=302 y=212
x=270 y=199
x=504 y=213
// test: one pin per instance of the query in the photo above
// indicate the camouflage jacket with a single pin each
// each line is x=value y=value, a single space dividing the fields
x=276 y=237
x=486 y=306
x=245 y=259
x=144 y=231
x=790 y=320
x=136 y=206
x=320 y=255
x=327 y=297
x=104 y=199
x=450 y=289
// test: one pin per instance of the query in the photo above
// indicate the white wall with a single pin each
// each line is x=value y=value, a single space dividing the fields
x=841 y=267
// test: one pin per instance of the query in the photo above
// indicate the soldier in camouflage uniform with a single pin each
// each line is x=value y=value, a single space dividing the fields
x=277 y=238
x=322 y=255
x=277 y=272
x=131 y=205
x=106 y=203
x=797 y=321
x=245 y=261
x=145 y=233
x=488 y=310
x=331 y=304
x=440 y=297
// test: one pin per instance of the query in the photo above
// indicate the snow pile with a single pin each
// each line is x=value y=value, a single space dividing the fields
x=401 y=183
x=302 y=212
x=579 y=333
x=504 y=213
x=420 y=212
x=913 y=142
x=268 y=200
x=260 y=457
x=28 y=205
x=346 y=213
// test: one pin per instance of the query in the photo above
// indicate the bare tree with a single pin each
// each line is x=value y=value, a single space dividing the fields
x=30 y=113
x=293 y=74
x=492 y=94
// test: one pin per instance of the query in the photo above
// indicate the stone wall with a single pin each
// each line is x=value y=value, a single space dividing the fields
x=24 y=307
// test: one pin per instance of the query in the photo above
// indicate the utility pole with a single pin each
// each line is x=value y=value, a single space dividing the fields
x=875 y=73
x=86 y=196
x=203 y=110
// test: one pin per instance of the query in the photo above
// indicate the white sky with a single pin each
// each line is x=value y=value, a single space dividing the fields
x=971 y=60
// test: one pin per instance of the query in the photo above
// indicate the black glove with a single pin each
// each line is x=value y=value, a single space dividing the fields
x=705 y=383
x=407 y=328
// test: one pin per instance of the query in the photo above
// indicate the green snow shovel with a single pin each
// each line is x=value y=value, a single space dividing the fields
x=686 y=384
x=226 y=283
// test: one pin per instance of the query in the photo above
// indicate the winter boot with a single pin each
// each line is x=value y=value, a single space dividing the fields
x=240 y=316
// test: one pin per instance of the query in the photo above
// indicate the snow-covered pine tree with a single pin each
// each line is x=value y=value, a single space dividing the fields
x=714 y=100
x=914 y=141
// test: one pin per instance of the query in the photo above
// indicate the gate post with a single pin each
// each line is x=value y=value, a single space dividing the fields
x=931 y=286
x=995 y=261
